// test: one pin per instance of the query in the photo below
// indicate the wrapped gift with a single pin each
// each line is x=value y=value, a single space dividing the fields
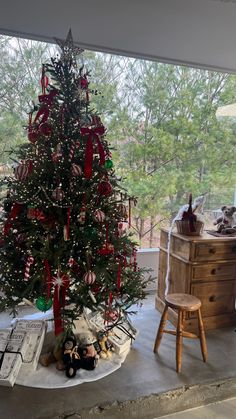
x=122 y=334
x=35 y=331
x=12 y=357
x=4 y=338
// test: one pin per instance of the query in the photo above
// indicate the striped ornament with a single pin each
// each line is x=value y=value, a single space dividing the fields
x=29 y=262
x=99 y=216
x=72 y=150
x=58 y=194
x=76 y=170
x=21 y=171
x=89 y=277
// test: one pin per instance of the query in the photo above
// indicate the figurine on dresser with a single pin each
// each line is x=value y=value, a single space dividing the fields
x=226 y=223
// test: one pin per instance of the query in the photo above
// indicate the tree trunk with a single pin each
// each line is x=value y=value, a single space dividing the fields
x=152 y=222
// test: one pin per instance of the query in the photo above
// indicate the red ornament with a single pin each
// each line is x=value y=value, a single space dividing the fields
x=76 y=170
x=45 y=129
x=99 y=216
x=111 y=315
x=58 y=194
x=23 y=170
x=104 y=188
x=89 y=277
x=107 y=249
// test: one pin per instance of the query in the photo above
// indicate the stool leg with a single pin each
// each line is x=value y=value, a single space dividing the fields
x=179 y=340
x=160 y=329
x=202 y=336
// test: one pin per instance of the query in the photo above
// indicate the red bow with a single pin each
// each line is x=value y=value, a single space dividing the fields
x=93 y=133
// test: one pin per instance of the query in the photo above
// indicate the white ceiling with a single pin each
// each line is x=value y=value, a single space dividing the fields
x=199 y=33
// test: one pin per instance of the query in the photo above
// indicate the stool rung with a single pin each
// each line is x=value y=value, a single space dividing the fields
x=184 y=334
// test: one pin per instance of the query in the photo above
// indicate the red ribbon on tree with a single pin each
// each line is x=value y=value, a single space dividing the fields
x=15 y=210
x=61 y=284
x=118 y=280
x=93 y=134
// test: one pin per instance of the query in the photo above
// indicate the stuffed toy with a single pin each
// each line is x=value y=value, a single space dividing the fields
x=71 y=356
x=225 y=223
x=54 y=355
x=105 y=347
x=89 y=357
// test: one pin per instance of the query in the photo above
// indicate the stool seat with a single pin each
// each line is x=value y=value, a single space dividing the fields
x=183 y=301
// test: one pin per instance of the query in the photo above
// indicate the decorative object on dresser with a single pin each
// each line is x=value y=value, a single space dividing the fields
x=204 y=266
x=187 y=222
x=226 y=223
x=183 y=303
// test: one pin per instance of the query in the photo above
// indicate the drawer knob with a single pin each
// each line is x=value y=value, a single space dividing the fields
x=212 y=250
x=213 y=271
x=212 y=298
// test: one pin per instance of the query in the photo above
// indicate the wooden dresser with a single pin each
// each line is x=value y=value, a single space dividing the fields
x=204 y=266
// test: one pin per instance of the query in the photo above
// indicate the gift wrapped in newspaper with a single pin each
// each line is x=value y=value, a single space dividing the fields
x=4 y=338
x=122 y=333
x=35 y=331
x=12 y=357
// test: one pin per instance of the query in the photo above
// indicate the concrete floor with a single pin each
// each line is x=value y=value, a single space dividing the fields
x=221 y=410
x=146 y=386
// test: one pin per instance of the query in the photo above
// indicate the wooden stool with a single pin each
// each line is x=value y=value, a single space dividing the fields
x=183 y=303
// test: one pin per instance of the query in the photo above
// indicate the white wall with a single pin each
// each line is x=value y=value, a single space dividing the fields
x=149 y=258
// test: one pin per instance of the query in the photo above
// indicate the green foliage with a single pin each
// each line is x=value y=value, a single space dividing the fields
x=161 y=122
x=52 y=244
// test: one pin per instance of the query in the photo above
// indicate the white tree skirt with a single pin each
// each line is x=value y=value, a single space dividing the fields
x=50 y=377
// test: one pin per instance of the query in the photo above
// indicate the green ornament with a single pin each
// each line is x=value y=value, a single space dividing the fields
x=43 y=304
x=108 y=164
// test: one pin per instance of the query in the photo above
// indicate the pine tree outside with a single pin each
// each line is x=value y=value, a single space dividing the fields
x=161 y=120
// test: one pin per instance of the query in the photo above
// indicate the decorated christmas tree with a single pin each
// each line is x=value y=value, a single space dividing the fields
x=64 y=242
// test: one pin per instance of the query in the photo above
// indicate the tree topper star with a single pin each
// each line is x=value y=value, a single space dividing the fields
x=68 y=48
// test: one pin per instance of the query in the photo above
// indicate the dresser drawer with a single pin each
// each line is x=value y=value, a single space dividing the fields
x=214 y=250
x=214 y=271
x=216 y=297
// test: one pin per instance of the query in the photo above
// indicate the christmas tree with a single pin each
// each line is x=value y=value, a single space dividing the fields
x=63 y=243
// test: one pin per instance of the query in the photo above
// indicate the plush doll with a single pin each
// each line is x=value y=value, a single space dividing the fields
x=54 y=355
x=225 y=223
x=105 y=347
x=89 y=358
x=71 y=356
